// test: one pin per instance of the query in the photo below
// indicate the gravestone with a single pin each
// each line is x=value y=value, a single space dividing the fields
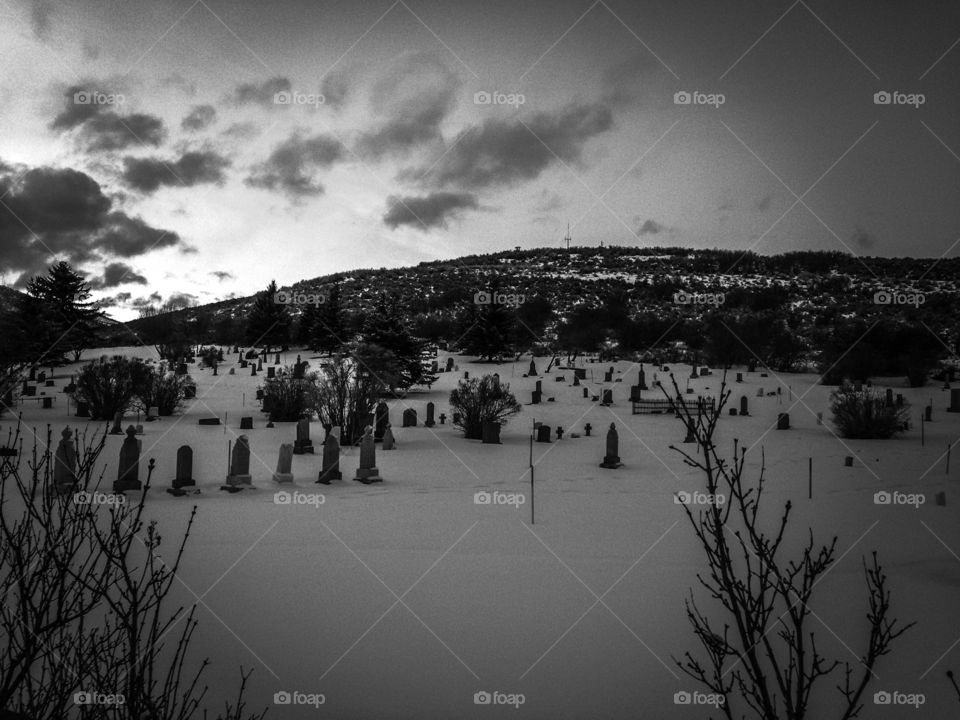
x=539 y=387
x=233 y=371
x=209 y=421
x=586 y=392
x=271 y=372
x=239 y=464
x=431 y=409
x=783 y=421
x=259 y=394
x=532 y=372
x=693 y=373
x=743 y=405
x=587 y=428
x=153 y=412
x=496 y=380
x=381 y=420
x=819 y=418
x=47 y=403
x=330 y=469
x=576 y=381
x=260 y=364
x=409 y=418
x=612 y=459
x=559 y=433
x=276 y=360
x=83 y=410
x=690 y=438
x=434 y=367
x=490 y=432
x=954 y=400
x=449 y=364
x=246 y=423
x=367 y=472
x=889 y=397
x=117 y=420
x=899 y=401
x=607 y=397
x=643 y=379
x=543 y=433
x=739 y=377
x=49 y=383
x=608 y=376
x=184 y=476
x=635 y=393
x=303 y=443
x=284 y=464
x=388 y=441
x=443 y=418
x=466 y=375
x=535 y=397
x=128 y=470
x=253 y=370
x=42 y=377
x=580 y=373
x=243 y=364
x=65 y=463
x=33 y=375
x=928 y=413
x=759 y=392
x=848 y=461
x=733 y=411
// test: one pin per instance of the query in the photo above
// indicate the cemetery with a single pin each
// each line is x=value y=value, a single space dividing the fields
x=399 y=497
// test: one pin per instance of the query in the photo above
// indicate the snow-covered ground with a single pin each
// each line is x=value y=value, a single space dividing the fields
x=404 y=599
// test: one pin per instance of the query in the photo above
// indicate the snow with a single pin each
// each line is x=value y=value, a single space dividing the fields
x=403 y=599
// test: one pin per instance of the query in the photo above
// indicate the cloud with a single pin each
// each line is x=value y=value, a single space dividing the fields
x=60 y=212
x=548 y=202
x=41 y=15
x=415 y=96
x=505 y=152
x=260 y=93
x=99 y=127
x=116 y=274
x=180 y=300
x=192 y=168
x=649 y=227
x=178 y=81
x=242 y=130
x=222 y=275
x=863 y=239
x=335 y=90
x=429 y=211
x=291 y=165
x=200 y=117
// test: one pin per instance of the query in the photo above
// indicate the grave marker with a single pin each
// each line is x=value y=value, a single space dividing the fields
x=612 y=459
x=284 y=465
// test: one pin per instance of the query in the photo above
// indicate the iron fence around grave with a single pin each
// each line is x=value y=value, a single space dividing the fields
x=663 y=406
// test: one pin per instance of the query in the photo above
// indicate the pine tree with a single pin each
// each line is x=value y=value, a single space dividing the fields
x=58 y=316
x=327 y=331
x=487 y=331
x=387 y=328
x=268 y=323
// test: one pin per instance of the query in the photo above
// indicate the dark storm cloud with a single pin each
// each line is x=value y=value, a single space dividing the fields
x=415 y=96
x=99 y=127
x=650 y=227
x=505 y=152
x=200 y=117
x=260 y=93
x=222 y=275
x=429 y=211
x=46 y=212
x=192 y=168
x=116 y=274
x=291 y=166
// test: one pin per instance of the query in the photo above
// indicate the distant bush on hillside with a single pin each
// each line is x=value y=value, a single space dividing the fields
x=479 y=400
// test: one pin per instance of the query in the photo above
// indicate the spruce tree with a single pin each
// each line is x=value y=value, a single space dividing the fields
x=327 y=330
x=268 y=323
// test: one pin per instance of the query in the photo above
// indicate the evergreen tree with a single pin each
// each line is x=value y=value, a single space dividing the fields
x=57 y=316
x=327 y=330
x=401 y=363
x=268 y=323
x=487 y=331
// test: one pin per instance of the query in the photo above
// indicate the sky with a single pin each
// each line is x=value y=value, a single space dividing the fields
x=193 y=150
